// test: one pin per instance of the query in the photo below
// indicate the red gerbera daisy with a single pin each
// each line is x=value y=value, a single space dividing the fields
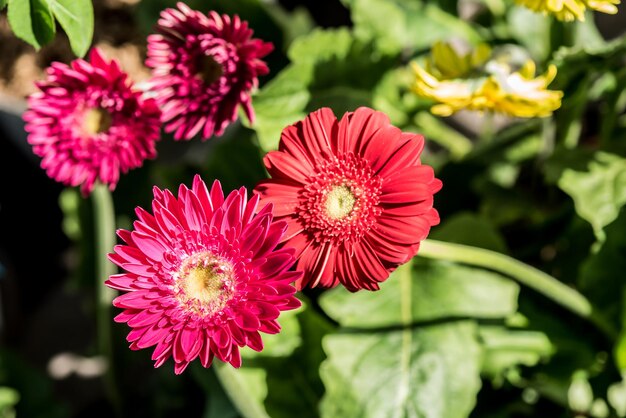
x=355 y=195
x=88 y=123
x=204 y=66
x=203 y=276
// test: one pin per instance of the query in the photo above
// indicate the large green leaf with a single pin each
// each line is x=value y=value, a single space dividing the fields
x=31 y=21
x=77 y=20
x=3 y=3
x=435 y=291
x=382 y=362
x=430 y=372
x=598 y=193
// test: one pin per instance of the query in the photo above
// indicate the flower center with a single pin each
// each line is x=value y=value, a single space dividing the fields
x=208 y=69
x=339 y=202
x=96 y=120
x=204 y=283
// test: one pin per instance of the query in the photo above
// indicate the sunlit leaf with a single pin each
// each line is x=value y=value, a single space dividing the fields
x=77 y=20
x=435 y=291
x=385 y=363
x=31 y=21
x=431 y=372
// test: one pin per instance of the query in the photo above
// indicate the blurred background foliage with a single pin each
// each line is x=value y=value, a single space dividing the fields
x=440 y=339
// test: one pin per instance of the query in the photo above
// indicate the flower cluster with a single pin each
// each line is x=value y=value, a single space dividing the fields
x=485 y=80
x=348 y=199
x=89 y=123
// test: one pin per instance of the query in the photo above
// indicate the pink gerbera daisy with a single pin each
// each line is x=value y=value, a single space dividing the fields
x=355 y=195
x=89 y=124
x=203 y=276
x=203 y=67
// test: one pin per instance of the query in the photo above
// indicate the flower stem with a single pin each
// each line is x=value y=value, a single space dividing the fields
x=104 y=223
x=527 y=275
x=237 y=392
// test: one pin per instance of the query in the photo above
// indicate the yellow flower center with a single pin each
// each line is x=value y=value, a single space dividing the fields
x=96 y=120
x=339 y=202
x=204 y=283
x=209 y=70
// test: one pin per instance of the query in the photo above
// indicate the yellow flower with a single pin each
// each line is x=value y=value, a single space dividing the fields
x=485 y=81
x=569 y=10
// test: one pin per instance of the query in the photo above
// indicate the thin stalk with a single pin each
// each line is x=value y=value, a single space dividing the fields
x=104 y=223
x=237 y=392
x=527 y=275
x=488 y=130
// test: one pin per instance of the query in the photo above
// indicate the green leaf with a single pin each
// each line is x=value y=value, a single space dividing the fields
x=280 y=103
x=3 y=3
x=598 y=193
x=430 y=372
x=8 y=397
x=321 y=45
x=601 y=279
x=530 y=28
x=436 y=291
x=506 y=350
x=77 y=20
x=383 y=363
x=574 y=62
x=322 y=74
x=31 y=21
x=393 y=97
x=399 y=25
x=340 y=60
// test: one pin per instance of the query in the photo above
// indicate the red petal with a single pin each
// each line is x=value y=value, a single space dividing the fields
x=283 y=166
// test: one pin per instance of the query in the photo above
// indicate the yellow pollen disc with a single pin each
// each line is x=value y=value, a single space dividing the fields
x=97 y=120
x=339 y=202
x=203 y=284
x=209 y=70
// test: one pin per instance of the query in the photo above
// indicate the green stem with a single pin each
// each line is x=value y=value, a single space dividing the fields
x=523 y=273
x=487 y=129
x=237 y=392
x=104 y=223
x=436 y=130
